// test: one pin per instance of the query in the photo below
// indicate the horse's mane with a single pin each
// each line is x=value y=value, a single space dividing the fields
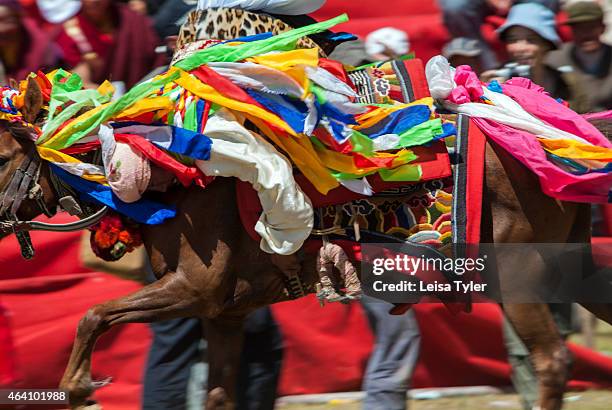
x=20 y=131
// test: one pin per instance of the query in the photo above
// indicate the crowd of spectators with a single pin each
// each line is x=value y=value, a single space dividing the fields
x=98 y=39
x=124 y=40
x=577 y=71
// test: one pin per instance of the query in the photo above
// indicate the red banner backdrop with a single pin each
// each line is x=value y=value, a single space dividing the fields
x=422 y=20
x=327 y=348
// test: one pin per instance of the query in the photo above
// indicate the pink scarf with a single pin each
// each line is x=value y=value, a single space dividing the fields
x=525 y=147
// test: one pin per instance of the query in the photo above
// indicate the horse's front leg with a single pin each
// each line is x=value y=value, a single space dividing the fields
x=170 y=297
x=550 y=356
x=225 y=338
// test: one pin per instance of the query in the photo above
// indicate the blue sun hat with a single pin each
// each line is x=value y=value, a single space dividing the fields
x=535 y=17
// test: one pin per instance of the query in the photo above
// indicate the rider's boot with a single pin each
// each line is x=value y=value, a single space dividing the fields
x=327 y=293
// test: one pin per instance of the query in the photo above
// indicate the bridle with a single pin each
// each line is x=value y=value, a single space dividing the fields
x=24 y=184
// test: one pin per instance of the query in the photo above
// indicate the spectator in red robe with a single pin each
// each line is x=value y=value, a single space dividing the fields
x=24 y=48
x=108 y=40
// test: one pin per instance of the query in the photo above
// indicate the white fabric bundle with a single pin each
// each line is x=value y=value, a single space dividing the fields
x=287 y=218
x=387 y=38
x=440 y=76
x=287 y=7
x=129 y=174
x=127 y=171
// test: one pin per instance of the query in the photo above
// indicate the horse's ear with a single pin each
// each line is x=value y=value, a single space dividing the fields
x=33 y=101
x=13 y=84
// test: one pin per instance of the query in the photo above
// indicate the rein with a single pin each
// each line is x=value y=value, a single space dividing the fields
x=24 y=226
x=24 y=185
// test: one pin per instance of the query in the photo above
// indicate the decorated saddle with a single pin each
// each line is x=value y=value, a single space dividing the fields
x=417 y=211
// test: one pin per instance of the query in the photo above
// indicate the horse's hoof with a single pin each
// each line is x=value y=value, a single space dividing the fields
x=79 y=393
x=216 y=399
x=78 y=397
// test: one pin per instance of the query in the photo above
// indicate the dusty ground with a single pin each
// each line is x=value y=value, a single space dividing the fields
x=603 y=339
x=589 y=400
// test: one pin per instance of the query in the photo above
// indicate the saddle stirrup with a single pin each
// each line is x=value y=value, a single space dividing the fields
x=291 y=267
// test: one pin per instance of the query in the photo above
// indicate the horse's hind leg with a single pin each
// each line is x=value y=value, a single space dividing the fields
x=551 y=359
x=168 y=298
x=225 y=339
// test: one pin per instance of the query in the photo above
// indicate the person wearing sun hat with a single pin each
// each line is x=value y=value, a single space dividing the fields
x=587 y=56
x=525 y=20
x=464 y=18
x=529 y=34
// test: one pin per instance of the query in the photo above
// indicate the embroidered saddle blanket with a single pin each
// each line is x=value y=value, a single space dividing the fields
x=428 y=211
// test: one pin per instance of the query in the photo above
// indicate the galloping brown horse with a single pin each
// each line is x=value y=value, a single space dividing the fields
x=223 y=275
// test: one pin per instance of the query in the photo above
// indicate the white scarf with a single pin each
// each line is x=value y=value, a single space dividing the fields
x=58 y=11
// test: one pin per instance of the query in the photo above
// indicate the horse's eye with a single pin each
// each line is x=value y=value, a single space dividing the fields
x=3 y=161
